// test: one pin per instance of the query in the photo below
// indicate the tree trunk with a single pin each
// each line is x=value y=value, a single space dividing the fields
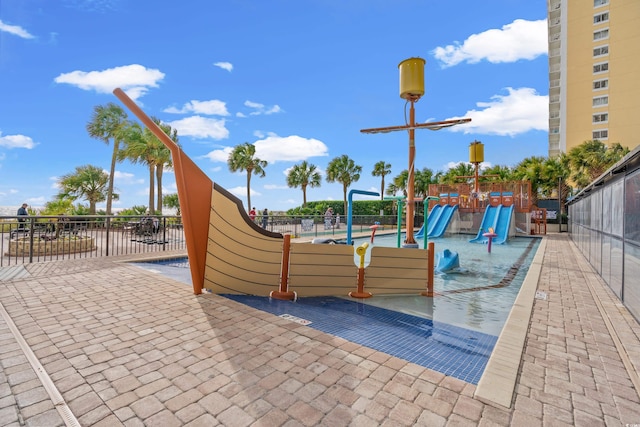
x=112 y=172
x=159 y=170
x=248 y=189
x=152 y=186
x=344 y=198
x=304 y=196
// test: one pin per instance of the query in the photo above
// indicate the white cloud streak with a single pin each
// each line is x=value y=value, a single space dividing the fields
x=519 y=40
x=224 y=65
x=199 y=127
x=135 y=80
x=213 y=107
x=520 y=111
x=16 y=141
x=15 y=30
x=274 y=148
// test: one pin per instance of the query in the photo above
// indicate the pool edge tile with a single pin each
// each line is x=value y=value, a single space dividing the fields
x=497 y=384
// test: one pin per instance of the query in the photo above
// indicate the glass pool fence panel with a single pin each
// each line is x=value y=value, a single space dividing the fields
x=51 y=238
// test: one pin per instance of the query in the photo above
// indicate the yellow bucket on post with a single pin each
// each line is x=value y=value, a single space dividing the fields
x=476 y=152
x=412 y=78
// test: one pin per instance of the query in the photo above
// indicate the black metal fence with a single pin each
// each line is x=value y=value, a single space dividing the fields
x=49 y=238
x=319 y=225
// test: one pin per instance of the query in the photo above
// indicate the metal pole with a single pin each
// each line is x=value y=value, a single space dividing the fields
x=559 y=205
x=350 y=209
x=409 y=241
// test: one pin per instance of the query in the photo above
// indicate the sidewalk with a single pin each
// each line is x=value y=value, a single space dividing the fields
x=125 y=346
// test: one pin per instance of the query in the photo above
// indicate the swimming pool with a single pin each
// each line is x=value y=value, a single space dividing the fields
x=453 y=332
x=480 y=294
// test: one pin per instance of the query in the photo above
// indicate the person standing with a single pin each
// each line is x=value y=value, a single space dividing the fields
x=265 y=218
x=22 y=211
x=328 y=218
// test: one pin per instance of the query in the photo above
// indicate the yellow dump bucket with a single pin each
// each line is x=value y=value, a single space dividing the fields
x=412 y=78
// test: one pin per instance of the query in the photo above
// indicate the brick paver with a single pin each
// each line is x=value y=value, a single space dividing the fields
x=128 y=347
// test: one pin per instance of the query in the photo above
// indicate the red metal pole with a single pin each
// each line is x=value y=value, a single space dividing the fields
x=410 y=241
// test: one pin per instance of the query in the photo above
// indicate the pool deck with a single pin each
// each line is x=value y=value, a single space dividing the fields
x=98 y=342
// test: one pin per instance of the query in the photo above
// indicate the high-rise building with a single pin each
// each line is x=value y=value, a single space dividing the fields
x=594 y=73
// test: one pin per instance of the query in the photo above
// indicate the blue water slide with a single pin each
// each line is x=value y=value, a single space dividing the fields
x=489 y=219
x=435 y=213
x=441 y=224
x=502 y=224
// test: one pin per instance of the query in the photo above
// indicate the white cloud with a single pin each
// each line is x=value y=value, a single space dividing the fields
x=15 y=30
x=126 y=178
x=519 y=40
x=518 y=112
x=275 y=187
x=16 y=141
x=201 y=127
x=219 y=155
x=292 y=148
x=135 y=80
x=213 y=107
x=275 y=148
x=242 y=192
x=259 y=109
x=224 y=65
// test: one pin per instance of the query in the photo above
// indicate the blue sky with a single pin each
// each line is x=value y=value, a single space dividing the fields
x=299 y=79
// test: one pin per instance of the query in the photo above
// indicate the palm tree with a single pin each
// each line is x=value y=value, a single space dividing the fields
x=399 y=184
x=87 y=182
x=58 y=206
x=504 y=173
x=343 y=170
x=461 y=169
x=423 y=178
x=591 y=159
x=531 y=169
x=162 y=156
x=381 y=169
x=172 y=201
x=556 y=173
x=140 y=147
x=242 y=158
x=107 y=123
x=303 y=175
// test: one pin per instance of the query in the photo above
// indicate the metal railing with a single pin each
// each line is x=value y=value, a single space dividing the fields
x=320 y=226
x=50 y=238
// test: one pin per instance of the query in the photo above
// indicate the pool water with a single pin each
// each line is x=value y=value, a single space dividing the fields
x=479 y=294
x=453 y=333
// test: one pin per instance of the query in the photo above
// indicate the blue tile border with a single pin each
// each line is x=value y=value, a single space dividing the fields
x=451 y=350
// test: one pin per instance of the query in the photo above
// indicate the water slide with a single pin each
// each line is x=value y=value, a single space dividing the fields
x=438 y=221
x=503 y=225
x=498 y=218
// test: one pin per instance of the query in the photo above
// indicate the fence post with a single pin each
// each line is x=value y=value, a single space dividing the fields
x=107 y=231
x=32 y=223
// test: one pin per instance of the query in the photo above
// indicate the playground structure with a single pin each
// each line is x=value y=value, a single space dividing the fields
x=411 y=90
x=503 y=206
x=493 y=210
x=229 y=253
